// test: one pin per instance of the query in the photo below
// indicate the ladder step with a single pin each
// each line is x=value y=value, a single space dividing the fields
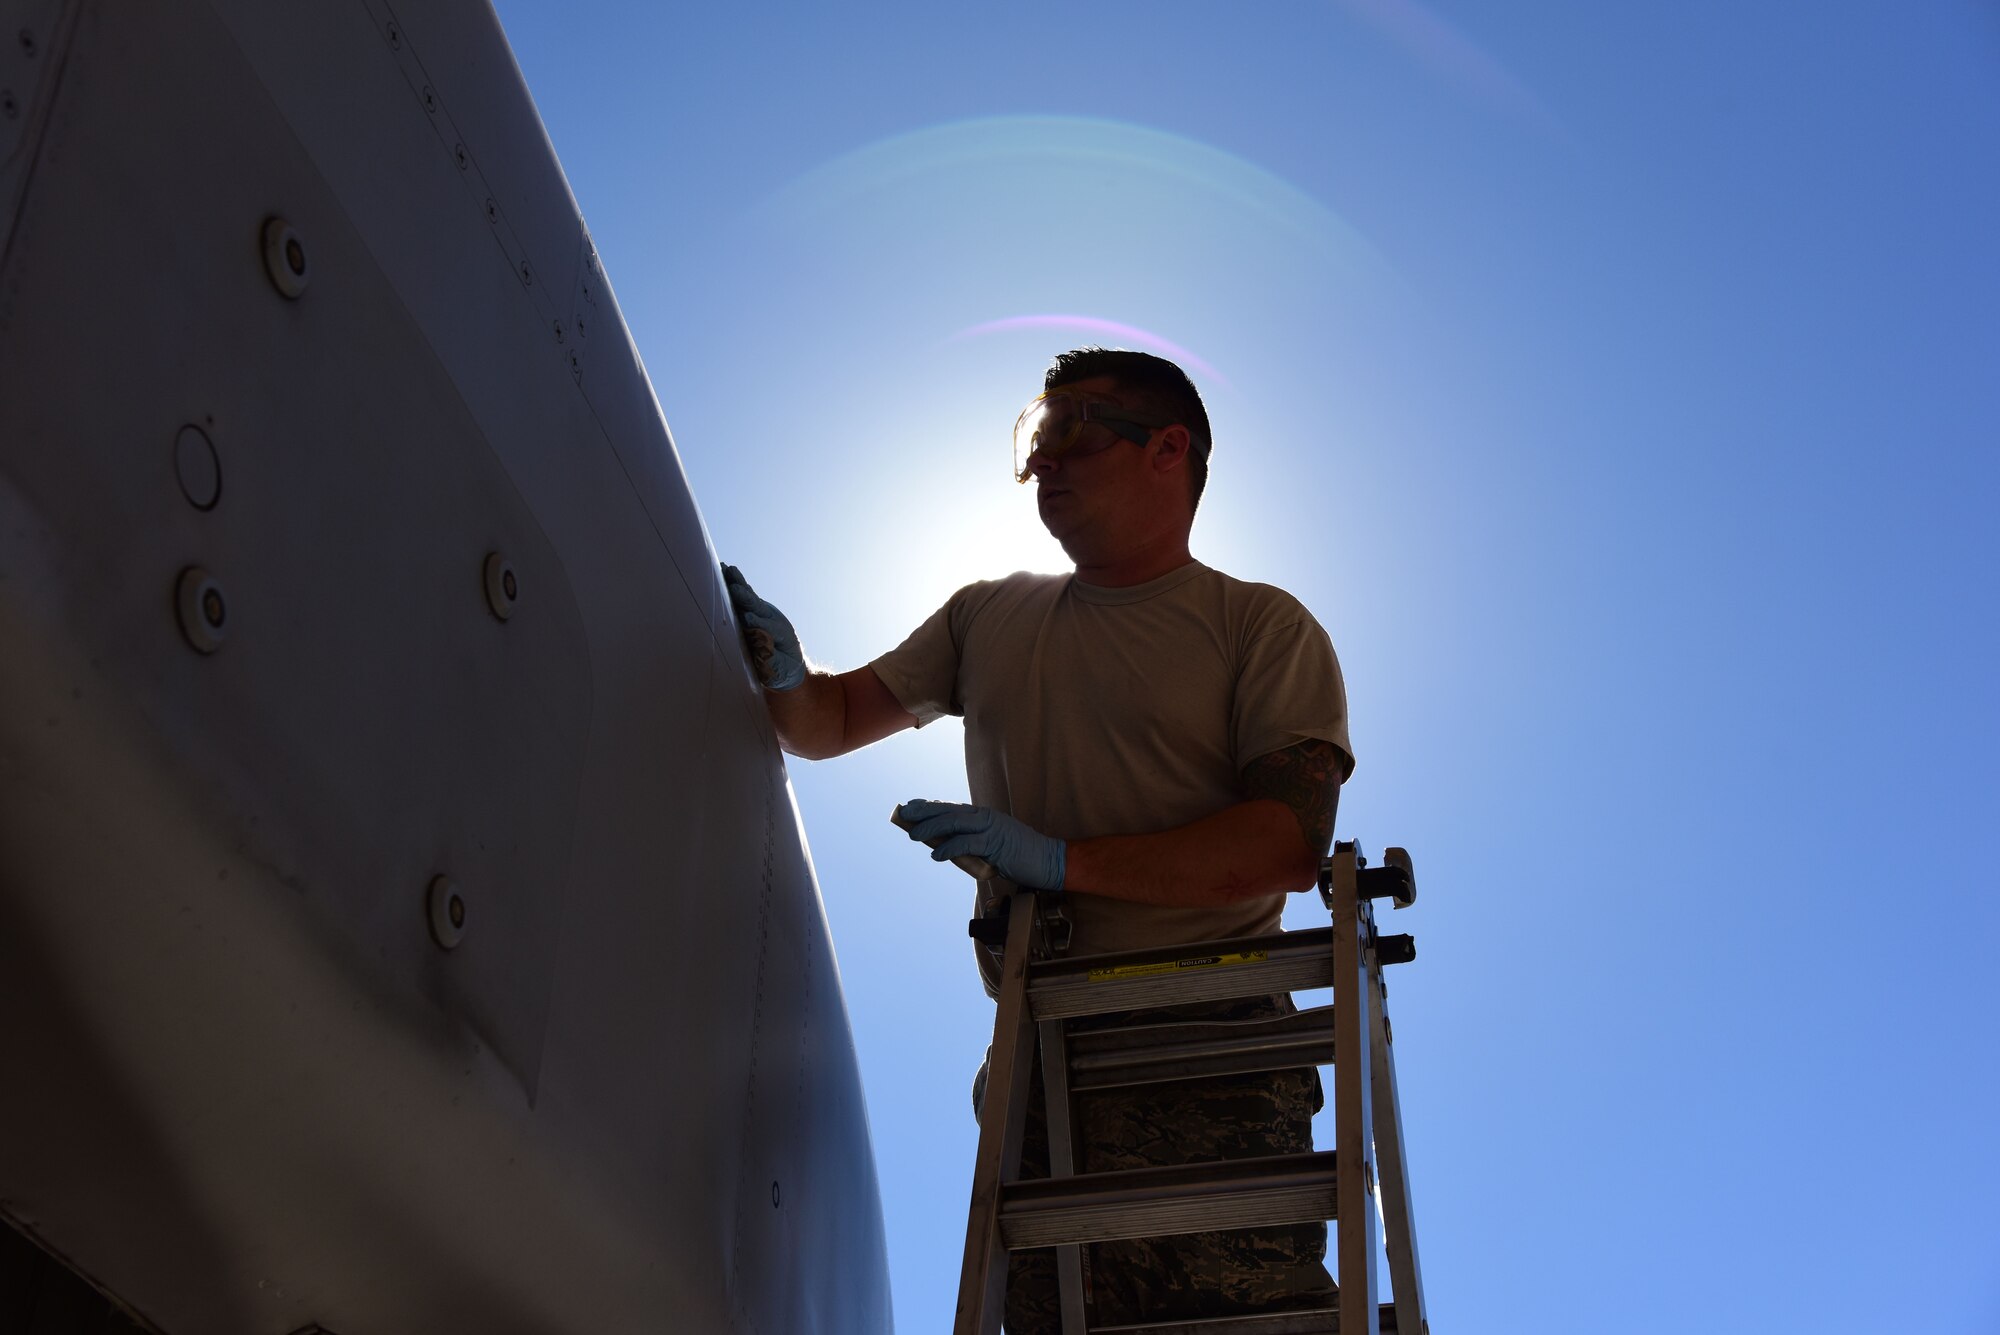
x=1249 y=966
x=1318 y=1321
x=1151 y=1054
x=1154 y=1202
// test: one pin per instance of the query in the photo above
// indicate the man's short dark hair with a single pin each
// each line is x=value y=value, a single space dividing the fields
x=1152 y=384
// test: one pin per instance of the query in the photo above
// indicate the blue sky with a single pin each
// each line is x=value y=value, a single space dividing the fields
x=1616 y=384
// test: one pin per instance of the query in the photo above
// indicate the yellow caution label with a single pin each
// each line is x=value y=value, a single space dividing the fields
x=1178 y=966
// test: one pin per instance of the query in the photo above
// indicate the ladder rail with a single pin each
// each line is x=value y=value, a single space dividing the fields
x=1062 y=1164
x=982 y=1284
x=1406 y=1276
x=1353 y=1111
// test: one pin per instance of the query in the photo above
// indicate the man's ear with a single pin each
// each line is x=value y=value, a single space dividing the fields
x=1175 y=442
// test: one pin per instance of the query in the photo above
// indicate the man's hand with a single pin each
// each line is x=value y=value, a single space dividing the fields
x=773 y=644
x=1026 y=857
x=814 y=714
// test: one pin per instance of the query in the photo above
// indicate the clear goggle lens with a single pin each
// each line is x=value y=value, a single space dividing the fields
x=1052 y=424
x=1048 y=426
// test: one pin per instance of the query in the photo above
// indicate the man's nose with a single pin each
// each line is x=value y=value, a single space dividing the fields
x=1042 y=465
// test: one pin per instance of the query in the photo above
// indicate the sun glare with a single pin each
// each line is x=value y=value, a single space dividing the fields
x=989 y=531
x=941 y=530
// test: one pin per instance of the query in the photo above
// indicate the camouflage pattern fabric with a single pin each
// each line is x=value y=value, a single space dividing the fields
x=1192 y=1276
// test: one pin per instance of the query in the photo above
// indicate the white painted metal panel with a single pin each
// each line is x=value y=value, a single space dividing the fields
x=246 y=1088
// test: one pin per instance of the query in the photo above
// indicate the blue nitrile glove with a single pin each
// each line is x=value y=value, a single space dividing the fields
x=953 y=829
x=773 y=644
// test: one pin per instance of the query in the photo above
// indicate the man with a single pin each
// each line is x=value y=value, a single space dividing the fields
x=1163 y=743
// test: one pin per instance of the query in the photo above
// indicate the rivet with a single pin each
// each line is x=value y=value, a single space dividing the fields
x=492 y=212
x=446 y=907
x=395 y=35
x=527 y=275
x=503 y=588
x=197 y=467
x=460 y=156
x=28 y=43
x=202 y=609
x=559 y=331
x=430 y=99
x=576 y=361
x=8 y=106
x=285 y=258
x=774 y=1195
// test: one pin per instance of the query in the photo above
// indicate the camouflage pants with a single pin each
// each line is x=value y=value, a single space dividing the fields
x=1194 y=1275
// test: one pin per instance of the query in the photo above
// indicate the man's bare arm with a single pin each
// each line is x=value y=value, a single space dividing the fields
x=1271 y=843
x=1305 y=777
x=829 y=715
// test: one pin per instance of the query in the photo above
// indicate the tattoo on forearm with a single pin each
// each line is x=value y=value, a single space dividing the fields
x=1306 y=778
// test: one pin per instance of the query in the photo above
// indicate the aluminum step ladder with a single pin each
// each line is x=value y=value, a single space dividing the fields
x=1040 y=989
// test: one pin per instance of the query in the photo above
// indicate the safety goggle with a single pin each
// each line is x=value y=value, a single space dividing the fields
x=1053 y=423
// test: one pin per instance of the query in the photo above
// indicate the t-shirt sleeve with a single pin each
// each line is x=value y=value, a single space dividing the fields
x=922 y=671
x=1289 y=691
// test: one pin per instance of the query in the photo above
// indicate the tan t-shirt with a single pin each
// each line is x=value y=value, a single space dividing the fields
x=1092 y=711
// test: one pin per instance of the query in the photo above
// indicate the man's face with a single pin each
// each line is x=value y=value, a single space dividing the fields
x=1104 y=491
